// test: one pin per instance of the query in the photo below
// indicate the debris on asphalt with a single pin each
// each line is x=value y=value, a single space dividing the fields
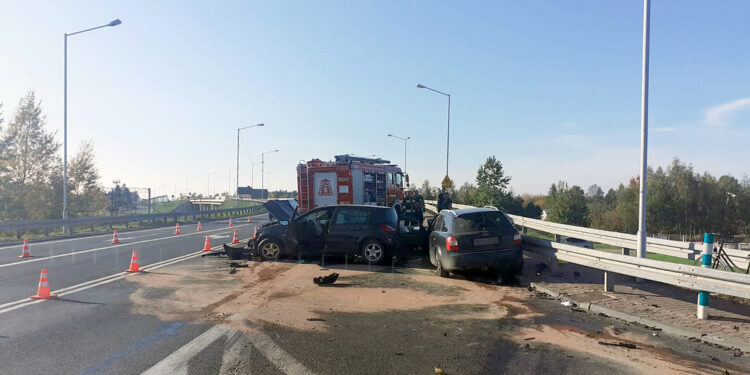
x=620 y=344
x=529 y=338
x=326 y=280
x=316 y=320
x=238 y=265
x=568 y=304
x=214 y=253
x=438 y=370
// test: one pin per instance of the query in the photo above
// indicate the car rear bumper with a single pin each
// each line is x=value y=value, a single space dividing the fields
x=506 y=259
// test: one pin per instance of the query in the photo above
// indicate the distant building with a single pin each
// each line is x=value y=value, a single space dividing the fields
x=249 y=192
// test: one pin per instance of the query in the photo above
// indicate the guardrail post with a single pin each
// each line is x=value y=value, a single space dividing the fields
x=558 y=238
x=708 y=247
x=625 y=251
x=609 y=281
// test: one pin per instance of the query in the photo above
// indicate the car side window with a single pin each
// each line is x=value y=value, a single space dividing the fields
x=438 y=225
x=351 y=215
x=322 y=216
x=444 y=225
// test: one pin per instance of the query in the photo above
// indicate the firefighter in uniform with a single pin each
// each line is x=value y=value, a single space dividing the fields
x=419 y=207
x=409 y=214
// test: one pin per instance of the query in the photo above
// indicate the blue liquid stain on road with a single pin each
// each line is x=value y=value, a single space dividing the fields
x=166 y=331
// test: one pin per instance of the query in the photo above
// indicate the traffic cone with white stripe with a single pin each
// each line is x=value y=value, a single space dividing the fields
x=255 y=232
x=134 y=263
x=235 y=238
x=230 y=222
x=200 y=227
x=25 y=252
x=176 y=228
x=249 y=219
x=115 y=238
x=207 y=245
x=43 y=291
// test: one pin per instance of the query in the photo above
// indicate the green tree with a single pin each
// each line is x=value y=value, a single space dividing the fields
x=29 y=159
x=427 y=191
x=568 y=205
x=491 y=183
x=466 y=194
x=86 y=197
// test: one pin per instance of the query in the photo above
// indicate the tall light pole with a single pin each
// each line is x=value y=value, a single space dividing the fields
x=65 y=116
x=237 y=200
x=448 y=139
x=263 y=169
x=405 y=140
x=644 y=132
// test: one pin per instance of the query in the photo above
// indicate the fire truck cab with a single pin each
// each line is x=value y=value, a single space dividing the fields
x=349 y=180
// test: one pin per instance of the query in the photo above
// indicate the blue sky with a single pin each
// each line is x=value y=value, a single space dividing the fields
x=552 y=88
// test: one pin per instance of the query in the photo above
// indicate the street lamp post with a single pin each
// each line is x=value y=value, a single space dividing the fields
x=448 y=139
x=405 y=140
x=263 y=169
x=237 y=201
x=644 y=132
x=65 y=116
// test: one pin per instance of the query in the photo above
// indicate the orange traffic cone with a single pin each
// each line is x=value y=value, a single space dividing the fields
x=207 y=246
x=236 y=238
x=134 y=263
x=200 y=227
x=115 y=239
x=25 y=252
x=230 y=222
x=176 y=228
x=249 y=219
x=43 y=291
x=255 y=232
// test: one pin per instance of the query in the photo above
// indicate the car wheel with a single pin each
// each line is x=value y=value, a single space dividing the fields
x=440 y=270
x=270 y=249
x=373 y=251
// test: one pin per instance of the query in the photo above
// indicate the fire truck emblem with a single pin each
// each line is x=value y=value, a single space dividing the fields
x=325 y=188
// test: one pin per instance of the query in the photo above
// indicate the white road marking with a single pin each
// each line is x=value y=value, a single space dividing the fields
x=233 y=354
x=109 y=247
x=10 y=306
x=31 y=242
x=176 y=363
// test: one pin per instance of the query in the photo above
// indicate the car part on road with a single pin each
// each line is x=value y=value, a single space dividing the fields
x=237 y=253
x=270 y=249
x=326 y=280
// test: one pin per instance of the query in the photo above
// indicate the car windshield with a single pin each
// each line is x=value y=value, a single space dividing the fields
x=493 y=221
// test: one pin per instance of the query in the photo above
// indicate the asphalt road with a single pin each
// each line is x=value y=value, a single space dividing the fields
x=90 y=329
x=190 y=315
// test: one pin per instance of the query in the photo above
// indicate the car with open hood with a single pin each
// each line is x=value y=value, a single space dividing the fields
x=363 y=230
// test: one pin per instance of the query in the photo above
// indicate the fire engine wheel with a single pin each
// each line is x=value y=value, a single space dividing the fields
x=373 y=251
x=270 y=249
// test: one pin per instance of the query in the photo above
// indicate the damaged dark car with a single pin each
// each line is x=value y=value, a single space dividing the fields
x=367 y=231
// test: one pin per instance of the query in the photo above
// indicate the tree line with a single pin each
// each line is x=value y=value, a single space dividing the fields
x=31 y=171
x=680 y=201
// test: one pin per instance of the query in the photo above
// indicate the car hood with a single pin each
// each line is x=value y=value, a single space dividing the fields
x=281 y=209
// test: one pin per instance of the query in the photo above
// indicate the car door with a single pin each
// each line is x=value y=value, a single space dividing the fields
x=348 y=226
x=308 y=232
x=436 y=237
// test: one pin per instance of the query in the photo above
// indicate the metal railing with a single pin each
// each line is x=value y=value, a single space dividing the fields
x=49 y=225
x=681 y=275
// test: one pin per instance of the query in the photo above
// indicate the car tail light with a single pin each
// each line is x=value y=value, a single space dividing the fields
x=387 y=228
x=516 y=238
x=451 y=244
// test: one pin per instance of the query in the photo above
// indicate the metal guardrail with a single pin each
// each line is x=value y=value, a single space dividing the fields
x=681 y=275
x=679 y=249
x=21 y=226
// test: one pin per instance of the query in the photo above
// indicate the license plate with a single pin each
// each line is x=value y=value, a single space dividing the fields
x=487 y=241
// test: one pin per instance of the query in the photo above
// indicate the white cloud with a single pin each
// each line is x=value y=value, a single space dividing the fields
x=718 y=115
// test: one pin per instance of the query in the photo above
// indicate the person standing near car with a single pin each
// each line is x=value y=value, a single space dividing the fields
x=409 y=214
x=419 y=207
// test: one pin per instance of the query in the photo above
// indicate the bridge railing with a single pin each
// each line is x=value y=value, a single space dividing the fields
x=50 y=225
x=686 y=276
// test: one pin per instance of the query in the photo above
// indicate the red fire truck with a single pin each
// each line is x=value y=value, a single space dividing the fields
x=350 y=180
